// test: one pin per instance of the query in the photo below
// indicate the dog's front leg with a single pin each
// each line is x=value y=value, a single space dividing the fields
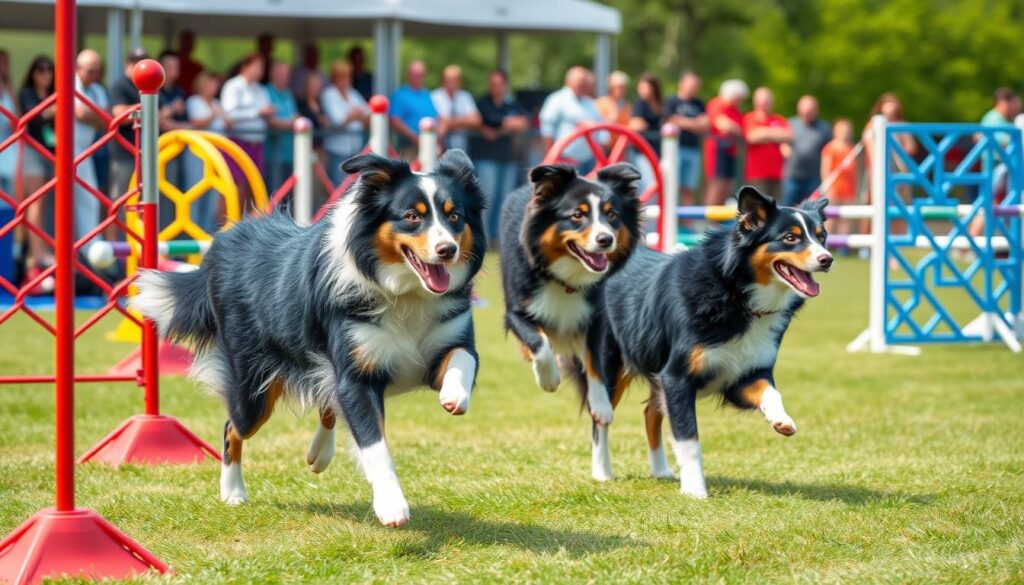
x=453 y=377
x=545 y=365
x=758 y=391
x=681 y=399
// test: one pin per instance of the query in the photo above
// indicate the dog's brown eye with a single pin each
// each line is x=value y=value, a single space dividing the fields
x=413 y=217
x=453 y=217
x=612 y=215
x=790 y=239
x=577 y=216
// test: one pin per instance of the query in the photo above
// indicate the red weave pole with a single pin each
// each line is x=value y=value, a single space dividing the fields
x=150 y=341
x=64 y=297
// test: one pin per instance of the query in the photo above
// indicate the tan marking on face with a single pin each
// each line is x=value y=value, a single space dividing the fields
x=652 y=424
x=421 y=208
x=607 y=206
x=623 y=244
x=762 y=260
x=696 y=359
x=466 y=243
x=448 y=207
x=751 y=395
x=796 y=231
x=441 y=369
x=552 y=245
x=327 y=418
x=389 y=244
x=584 y=208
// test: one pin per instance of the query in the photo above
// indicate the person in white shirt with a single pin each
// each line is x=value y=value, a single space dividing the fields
x=348 y=113
x=456 y=109
x=566 y=109
x=247 y=106
x=205 y=113
x=88 y=70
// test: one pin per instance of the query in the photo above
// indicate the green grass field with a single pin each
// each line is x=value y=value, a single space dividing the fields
x=905 y=470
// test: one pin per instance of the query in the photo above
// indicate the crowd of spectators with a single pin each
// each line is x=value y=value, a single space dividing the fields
x=257 y=102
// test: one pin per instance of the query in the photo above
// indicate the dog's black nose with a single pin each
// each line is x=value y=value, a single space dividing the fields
x=605 y=240
x=825 y=260
x=446 y=250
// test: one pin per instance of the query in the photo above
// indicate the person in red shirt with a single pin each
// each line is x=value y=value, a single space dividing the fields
x=190 y=68
x=768 y=136
x=720 y=148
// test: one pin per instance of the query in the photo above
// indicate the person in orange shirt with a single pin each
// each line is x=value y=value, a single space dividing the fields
x=768 y=136
x=843 y=189
x=615 y=107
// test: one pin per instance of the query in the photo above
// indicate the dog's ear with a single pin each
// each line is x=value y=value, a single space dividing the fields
x=621 y=177
x=817 y=206
x=550 y=179
x=455 y=164
x=753 y=209
x=376 y=171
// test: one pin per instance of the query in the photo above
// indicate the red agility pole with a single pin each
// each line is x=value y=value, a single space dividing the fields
x=66 y=540
x=152 y=437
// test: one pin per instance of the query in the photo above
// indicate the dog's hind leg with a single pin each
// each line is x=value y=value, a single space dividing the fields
x=247 y=415
x=321 y=449
x=681 y=399
x=653 y=417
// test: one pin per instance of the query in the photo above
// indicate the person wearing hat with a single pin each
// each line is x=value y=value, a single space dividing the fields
x=123 y=95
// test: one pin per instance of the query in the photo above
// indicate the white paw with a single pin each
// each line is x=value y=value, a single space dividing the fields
x=693 y=487
x=545 y=371
x=662 y=472
x=601 y=412
x=454 y=399
x=232 y=488
x=321 y=450
x=391 y=508
x=601 y=473
x=235 y=498
x=784 y=426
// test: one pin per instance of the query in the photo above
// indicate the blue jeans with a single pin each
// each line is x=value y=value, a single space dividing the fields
x=796 y=189
x=689 y=167
x=497 y=179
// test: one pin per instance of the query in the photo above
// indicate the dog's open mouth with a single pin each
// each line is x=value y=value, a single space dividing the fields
x=801 y=280
x=595 y=262
x=435 y=276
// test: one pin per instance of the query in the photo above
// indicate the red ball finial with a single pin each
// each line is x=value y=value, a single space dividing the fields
x=148 y=76
x=379 y=104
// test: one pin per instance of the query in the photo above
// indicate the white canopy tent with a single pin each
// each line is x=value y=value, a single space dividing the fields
x=387 y=21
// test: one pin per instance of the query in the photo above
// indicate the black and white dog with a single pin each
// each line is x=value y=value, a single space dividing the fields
x=370 y=302
x=709 y=320
x=560 y=239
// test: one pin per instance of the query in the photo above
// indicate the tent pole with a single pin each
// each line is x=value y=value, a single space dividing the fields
x=115 y=44
x=381 y=46
x=135 y=27
x=602 y=61
x=396 y=55
x=504 y=56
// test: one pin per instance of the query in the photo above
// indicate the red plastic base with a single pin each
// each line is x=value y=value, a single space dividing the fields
x=174 y=361
x=79 y=543
x=150 y=440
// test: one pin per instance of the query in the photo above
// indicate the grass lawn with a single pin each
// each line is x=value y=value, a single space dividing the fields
x=905 y=470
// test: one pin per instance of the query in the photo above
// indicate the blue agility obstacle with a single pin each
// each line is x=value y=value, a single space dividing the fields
x=928 y=262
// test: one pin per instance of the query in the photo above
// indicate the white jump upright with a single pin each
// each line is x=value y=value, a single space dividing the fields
x=379 y=125
x=428 y=144
x=668 y=234
x=302 y=192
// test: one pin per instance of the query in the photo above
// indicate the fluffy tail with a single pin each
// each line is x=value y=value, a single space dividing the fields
x=180 y=304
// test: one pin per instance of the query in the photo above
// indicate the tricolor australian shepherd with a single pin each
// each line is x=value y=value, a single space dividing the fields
x=370 y=302
x=709 y=320
x=561 y=237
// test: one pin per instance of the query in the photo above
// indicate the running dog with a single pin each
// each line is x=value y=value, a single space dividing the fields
x=371 y=302
x=709 y=320
x=560 y=239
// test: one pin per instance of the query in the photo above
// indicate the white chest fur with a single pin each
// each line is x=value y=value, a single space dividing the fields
x=406 y=338
x=755 y=348
x=563 y=315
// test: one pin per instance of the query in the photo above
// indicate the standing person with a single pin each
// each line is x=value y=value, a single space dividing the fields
x=205 y=113
x=347 y=114
x=688 y=112
x=725 y=132
x=648 y=112
x=280 y=143
x=1005 y=108
x=247 y=108
x=310 y=66
x=190 y=68
x=265 y=49
x=810 y=135
x=312 y=109
x=172 y=96
x=456 y=109
x=409 y=104
x=843 y=189
x=615 y=107
x=88 y=71
x=766 y=133
x=123 y=96
x=362 y=79
x=9 y=155
x=502 y=118
x=564 y=110
x=36 y=169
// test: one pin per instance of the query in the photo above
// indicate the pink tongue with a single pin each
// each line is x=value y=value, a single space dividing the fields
x=437 y=277
x=597 y=261
x=806 y=283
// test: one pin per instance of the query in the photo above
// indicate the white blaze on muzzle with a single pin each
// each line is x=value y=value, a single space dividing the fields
x=598 y=227
x=439 y=232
